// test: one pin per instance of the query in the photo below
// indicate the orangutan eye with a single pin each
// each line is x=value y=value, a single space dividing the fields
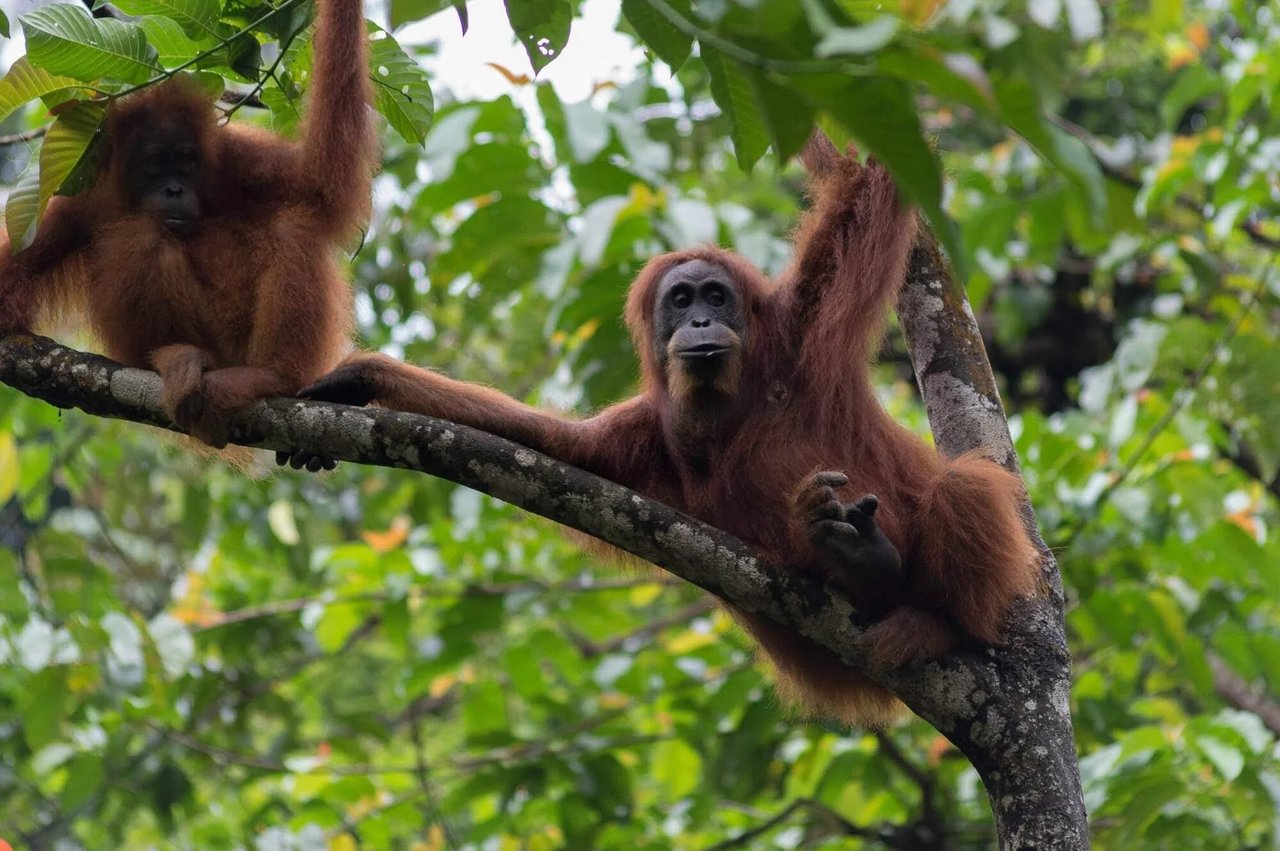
x=681 y=298
x=715 y=297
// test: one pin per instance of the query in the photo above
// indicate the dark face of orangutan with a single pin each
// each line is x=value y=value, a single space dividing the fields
x=162 y=173
x=699 y=323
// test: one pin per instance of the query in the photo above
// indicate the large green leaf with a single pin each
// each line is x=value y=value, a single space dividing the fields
x=1021 y=110
x=25 y=83
x=66 y=39
x=403 y=12
x=734 y=92
x=67 y=143
x=542 y=27
x=788 y=116
x=867 y=38
x=401 y=91
x=196 y=17
x=172 y=44
x=22 y=207
x=670 y=44
x=880 y=112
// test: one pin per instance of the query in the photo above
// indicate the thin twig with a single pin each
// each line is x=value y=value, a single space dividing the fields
x=886 y=834
x=431 y=811
x=930 y=818
x=26 y=136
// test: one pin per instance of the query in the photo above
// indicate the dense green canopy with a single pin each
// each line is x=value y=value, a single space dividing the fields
x=193 y=657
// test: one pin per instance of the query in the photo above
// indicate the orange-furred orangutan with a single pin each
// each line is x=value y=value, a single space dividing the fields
x=209 y=252
x=757 y=415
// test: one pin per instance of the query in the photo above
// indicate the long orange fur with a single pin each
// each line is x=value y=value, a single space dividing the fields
x=804 y=403
x=254 y=302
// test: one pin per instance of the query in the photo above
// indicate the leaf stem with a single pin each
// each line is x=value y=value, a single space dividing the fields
x=750 y=57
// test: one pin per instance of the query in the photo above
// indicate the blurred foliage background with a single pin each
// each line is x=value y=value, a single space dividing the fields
x=195 y=658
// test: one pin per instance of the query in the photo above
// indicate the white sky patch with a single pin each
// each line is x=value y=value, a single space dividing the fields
x=596 y=52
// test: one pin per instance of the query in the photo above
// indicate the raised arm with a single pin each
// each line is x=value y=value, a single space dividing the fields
x=338 y=146
x=40 y=273
x=619 y=443
x=851 y=253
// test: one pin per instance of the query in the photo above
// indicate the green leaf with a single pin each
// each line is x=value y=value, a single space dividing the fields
x=957 y=77
x=1194 y=83
x=10 y=468
x=867 y=38
x=195 y=17
x=1020 y=109
x=84 y=780
x=670 y=44
x=881 y=114
x=400 y=87
x=403 y=12
x=4 y=24
x=788 y=117
x=484 y=713
x=67 y=143
x=66 y=39
x=42 y=704
x=25 y=83
x=172 y=44
x=733 y=90
x=336 y=624
x=542 y=27
x=23 y=206
x=1227 y=760
x=677 y=766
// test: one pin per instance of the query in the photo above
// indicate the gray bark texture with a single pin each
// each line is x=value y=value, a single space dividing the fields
x=1006 y=708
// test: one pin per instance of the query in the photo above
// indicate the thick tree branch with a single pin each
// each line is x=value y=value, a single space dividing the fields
x=1016 y=728
x=1006 y=709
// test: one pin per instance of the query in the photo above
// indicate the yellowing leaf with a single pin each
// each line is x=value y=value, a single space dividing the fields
x=688 y=641
x=1183 y=146
x=643 y=595
x=192 y=616
x=1181 y=56
x=8 y=467
x=512 y=77
x=920 y=11
x=383 y=542
x=1199 y=35
x=442 y=684
x=342 y=842
x=613 y=700
x=585 y=331
x=1246 y=521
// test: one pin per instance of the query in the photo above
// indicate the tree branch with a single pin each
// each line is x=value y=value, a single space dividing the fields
x=1239 y=693
x=1016 y=729
x=1006 y=709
